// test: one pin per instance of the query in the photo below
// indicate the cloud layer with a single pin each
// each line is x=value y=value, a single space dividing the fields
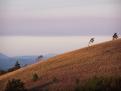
x=59 y=17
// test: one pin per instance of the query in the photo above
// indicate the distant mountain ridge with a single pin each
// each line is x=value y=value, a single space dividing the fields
x=3 y=56
x=25 y=60
x=5 y=62
x=8 y=62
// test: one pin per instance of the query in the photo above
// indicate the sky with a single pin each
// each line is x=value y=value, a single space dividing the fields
x=35 y=45
x=59 y=17
x=34 y=27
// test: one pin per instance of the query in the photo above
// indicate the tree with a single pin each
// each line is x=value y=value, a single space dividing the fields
x=17 y=65
x=15 y=85
x=39 y=58
x=115 y=36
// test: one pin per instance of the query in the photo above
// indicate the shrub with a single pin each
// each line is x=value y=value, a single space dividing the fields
x=35 y=77
x=77 y=81
x=15 y=85
x=55 y=79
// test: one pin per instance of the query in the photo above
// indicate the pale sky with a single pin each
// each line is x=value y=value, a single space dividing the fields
x=48 y=26
x=31 y=45
x=59 y=17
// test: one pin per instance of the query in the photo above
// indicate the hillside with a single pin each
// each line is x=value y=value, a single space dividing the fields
x=98 y=60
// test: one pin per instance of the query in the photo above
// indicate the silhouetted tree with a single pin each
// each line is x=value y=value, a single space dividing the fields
x=115 y=36
x=16 y=66
x=39 y=58
x=91 y=41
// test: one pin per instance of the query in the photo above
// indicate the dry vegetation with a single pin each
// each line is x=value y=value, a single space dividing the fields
x=98 y=60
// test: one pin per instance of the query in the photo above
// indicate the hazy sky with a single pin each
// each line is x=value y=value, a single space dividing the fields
x=31 y=45
x=40 y=19
x=60 y=17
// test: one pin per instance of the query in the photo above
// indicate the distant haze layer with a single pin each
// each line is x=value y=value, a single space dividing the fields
x=23 y=45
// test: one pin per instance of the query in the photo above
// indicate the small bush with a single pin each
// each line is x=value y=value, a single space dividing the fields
x=15 y=85
x=77 y=81
x=35 y=77
x=55 y=79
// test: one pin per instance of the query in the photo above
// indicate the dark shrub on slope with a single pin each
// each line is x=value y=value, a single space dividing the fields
x=15 y=85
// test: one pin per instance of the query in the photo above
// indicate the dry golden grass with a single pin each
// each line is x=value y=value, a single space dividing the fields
x=98 y=60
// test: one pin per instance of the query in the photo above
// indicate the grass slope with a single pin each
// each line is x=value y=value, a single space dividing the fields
x=98 y=60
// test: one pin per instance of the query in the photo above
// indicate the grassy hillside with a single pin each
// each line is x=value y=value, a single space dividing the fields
x=98 y=60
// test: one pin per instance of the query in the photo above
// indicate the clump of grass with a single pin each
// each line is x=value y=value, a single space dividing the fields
x=55 y=79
